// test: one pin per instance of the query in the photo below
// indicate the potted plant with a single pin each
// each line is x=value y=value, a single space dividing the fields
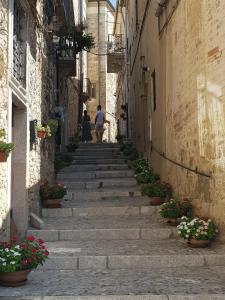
x=43 y=131
x=53 y=125
x=51 y=196
x=19 y=258
x=155 y=192
x=5 y=148
x=147 y=176
x=139 y=165
x=73 y=144
x=174 y=209
x=198 y=232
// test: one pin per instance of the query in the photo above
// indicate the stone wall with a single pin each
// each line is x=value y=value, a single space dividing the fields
x=188 y=123
x=3 y=113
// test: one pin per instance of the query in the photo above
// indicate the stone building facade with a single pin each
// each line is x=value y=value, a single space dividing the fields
x=176 y=91
x=100 y=20
x=28 y=93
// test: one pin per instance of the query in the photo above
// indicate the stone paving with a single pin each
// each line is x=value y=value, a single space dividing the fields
x=107 y=243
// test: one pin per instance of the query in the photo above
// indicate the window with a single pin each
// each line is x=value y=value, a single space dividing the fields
x=153 y=89
x=136 y=12
x=19 y=44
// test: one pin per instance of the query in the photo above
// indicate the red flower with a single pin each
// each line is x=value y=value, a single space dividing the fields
x=43 y=247
x=31 y=238
x=40 y=241
x=23 y=245
x=24 y=262
x=34 y=250
x=46 y=253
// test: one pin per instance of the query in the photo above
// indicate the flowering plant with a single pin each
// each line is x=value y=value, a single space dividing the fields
x=139 y=165
x=4 y=146
x=176 y=208
x=197 y=229
x=56 y=191
x=44 y=128
x=153 y=190
x=147 y=176
x=23 y=255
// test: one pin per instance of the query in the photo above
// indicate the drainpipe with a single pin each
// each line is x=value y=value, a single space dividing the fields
x=99 y=76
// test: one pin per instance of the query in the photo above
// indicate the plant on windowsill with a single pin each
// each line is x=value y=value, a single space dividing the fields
x=5 y=148
x=51 y=196
x=174 y=209
x=198 y=232
x=43 y=131
x=155 y=192
x=19 y=258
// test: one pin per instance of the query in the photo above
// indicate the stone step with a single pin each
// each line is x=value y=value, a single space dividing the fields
x=183 y=283
x=129 y=254
x=97 y=152
x=102 y=193
x=99 y=161
x=95 y=157
x=100 y=146
x=108 y=202
x=156 y=234
x=99 y=183
x=95 y=174
x=100 y=211
x=80 y=168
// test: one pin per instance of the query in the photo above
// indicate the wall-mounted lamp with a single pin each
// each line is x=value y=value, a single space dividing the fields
x=146 y=69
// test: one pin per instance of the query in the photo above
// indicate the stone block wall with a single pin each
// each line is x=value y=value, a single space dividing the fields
x=3 y=113
x=188 y=123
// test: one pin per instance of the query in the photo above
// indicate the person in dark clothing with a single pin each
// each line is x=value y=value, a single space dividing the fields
x=86 y=128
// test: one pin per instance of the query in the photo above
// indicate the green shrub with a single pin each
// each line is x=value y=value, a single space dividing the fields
x=147 y=176
x=176 y=208
x=139 y=165
x=62 y=160
x=73 y=144
x=153 y=190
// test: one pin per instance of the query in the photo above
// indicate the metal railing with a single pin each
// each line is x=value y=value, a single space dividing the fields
x=115 y=44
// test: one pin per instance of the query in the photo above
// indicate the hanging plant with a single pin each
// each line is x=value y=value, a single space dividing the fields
x=43 y=131
x=84 y=41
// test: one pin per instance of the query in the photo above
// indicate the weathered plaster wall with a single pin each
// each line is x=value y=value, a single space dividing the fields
x=188 y=123
x=3 y=111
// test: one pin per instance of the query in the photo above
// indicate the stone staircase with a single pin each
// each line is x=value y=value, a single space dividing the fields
x=107 y=243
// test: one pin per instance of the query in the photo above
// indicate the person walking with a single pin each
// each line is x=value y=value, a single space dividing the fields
x=99 y=124
x=86 y=128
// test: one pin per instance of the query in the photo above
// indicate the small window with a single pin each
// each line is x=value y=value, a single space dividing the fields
x=153 y=88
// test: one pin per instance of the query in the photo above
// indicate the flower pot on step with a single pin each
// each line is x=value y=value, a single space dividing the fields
x=41 y=134
x=198 y=243
x=154 y=201
x=173 y=221
x=52 y=203
x=14 y=279
x=3 y=156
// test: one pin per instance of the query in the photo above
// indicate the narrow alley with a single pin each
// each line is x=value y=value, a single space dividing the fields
x=112 y=149
x=106 y=241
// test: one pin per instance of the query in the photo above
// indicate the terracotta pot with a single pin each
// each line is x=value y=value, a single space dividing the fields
x=3 y=156
x=173 y=221
x=198 y=243
x=41 y=134
x=156 y=201
x=13 y=279
x=52 y=203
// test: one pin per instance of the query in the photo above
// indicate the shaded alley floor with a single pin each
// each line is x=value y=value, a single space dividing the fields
x=106 y=242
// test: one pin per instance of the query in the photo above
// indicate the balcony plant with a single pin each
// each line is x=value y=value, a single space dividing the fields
x=43 y=131
x=155 y=192
x=5 y=148
x=84 y=41
x=19 y=258
x=198 y=232
x=174 y=209
x=51 y=196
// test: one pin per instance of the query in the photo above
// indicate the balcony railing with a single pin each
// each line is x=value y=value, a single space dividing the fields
x=115 y=43
x=19 y=61
x=115 y=50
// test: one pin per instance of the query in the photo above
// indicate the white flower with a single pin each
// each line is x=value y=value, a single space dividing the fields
x=6 y=250
x=188 y=231
x=12 y=262
x=187 y=236
x=16 y=254
x=4 y=264
x=17 y=247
